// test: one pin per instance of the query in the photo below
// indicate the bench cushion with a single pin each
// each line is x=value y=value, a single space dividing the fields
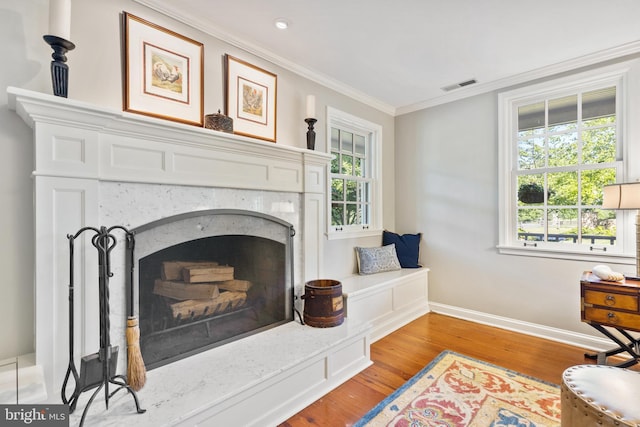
x=407 y=247
x=377 y=259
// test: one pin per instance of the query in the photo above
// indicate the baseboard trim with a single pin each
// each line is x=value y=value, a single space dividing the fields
x=554 y=334
x=385 y=328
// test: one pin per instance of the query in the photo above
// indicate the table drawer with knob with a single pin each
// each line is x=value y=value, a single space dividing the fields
x=613 y=318
x=613 y=300
x=613 y=309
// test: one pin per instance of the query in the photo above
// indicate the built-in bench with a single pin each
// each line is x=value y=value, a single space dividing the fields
x=386 y=300
x=303 y=363
x=260 y=380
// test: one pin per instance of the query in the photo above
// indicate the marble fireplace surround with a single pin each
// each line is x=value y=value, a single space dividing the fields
x=96 y=166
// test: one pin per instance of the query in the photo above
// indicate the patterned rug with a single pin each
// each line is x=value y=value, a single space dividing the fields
x=457 y=390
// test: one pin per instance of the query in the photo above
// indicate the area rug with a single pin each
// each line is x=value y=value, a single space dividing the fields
x=458 y=391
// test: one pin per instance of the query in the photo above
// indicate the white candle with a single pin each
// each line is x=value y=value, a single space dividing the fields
x=311 y=107
x=60 y=18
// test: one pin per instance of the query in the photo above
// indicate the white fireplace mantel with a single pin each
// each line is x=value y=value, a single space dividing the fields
x=79 y=146
x=76 y=139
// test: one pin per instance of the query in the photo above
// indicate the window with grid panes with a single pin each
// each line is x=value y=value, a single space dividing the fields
x=350 y=180
x=564 y=147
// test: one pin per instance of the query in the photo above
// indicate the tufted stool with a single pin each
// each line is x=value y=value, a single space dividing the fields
x=597 y=395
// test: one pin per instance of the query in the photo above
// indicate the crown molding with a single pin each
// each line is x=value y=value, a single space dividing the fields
x=174 y=13
x=618 y=52
x=632 y=48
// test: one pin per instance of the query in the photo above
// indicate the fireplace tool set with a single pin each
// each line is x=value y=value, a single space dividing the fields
x=98 y=370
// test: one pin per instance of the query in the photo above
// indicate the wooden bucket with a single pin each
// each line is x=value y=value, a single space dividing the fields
x=323 y=307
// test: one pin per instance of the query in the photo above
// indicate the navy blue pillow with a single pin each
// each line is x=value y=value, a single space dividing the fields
x=407 y=247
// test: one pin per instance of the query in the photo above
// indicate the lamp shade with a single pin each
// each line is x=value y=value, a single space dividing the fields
x=621 y=196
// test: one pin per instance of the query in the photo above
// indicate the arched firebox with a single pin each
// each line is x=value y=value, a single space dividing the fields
x=206 y=278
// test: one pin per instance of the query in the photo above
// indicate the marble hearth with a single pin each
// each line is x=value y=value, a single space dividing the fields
x=95 y=167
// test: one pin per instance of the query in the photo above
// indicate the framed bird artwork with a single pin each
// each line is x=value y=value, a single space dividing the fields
x=251 y=94
x=164 y=72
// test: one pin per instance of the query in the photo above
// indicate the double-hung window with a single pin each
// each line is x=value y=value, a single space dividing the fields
x=355 y=201
x=561 y=142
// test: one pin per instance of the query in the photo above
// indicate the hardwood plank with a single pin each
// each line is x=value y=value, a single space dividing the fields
x=401 y=354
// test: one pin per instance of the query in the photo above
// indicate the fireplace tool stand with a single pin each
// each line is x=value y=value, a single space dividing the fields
x=97 y=370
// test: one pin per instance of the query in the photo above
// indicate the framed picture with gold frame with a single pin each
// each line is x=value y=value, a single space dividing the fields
x=164 y=72
x=250 y=99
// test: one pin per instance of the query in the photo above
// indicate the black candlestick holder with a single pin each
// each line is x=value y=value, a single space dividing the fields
x=311 y=134
x=59 y=68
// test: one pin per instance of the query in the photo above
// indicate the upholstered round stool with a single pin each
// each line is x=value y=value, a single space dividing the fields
x=597 y=395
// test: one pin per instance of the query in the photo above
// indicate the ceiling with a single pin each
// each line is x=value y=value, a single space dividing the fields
x=398 y=55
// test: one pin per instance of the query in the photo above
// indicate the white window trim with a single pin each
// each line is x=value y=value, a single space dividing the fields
x=337 y=118
x=615 y=74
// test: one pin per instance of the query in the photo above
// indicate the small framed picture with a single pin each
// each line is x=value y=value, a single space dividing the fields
x=164 y=72
x=250 y=99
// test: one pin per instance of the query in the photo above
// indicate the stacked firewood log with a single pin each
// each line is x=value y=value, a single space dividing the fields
x=197 y=288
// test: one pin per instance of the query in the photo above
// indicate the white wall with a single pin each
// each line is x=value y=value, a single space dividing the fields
x=26 y=64
x=95 y=77
x=447 y=187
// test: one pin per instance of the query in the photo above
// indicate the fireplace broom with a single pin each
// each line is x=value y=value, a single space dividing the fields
x=136 y=371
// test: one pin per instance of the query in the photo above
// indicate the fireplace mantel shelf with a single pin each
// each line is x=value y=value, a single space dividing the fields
x=87 y=141
x=33 y=107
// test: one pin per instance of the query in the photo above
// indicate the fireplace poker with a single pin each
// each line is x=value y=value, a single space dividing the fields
x=104 y=243
x=136 y=371
x=71 y=369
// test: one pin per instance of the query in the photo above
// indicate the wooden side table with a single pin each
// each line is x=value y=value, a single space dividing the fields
x=608 y=306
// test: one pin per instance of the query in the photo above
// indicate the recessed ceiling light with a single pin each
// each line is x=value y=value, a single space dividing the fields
x=282 y=24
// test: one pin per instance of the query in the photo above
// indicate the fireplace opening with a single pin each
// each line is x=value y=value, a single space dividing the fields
x=197 y=292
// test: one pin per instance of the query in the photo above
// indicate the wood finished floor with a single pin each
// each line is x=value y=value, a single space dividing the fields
x=401 y=354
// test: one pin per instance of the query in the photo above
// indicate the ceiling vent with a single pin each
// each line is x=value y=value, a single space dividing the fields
x=459 y=85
